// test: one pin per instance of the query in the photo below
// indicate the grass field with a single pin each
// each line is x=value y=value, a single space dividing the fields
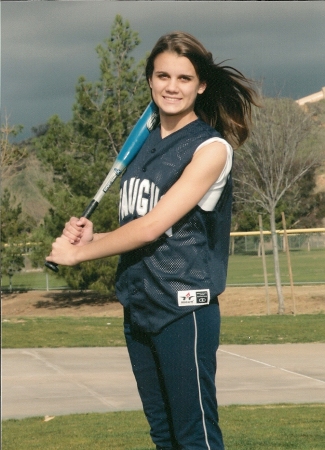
x=34 y=280
x=307 y=267
x=276 y=427
x=103 y=331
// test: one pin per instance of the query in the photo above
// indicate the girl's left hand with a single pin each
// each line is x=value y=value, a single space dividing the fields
x=63 y=252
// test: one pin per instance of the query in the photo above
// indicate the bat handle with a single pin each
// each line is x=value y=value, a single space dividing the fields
x=86 y=213
x=90 y=209
x=52 y=266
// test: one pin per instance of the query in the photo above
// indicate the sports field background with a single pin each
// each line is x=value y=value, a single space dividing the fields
x=245 y=269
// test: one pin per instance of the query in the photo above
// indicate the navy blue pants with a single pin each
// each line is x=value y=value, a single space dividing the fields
x=175 y=374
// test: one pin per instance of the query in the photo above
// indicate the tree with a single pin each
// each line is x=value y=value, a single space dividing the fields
x=12 y=259
x=303 y=207
x=13 y=233
x=12 y=156
x=282 y=149
x=107 y=110
x=80 y=152
x=13 y=226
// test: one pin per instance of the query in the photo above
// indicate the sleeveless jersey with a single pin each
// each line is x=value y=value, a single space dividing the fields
x=185 y=269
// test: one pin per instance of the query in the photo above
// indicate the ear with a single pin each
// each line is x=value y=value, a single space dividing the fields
x=202 y=88
x=149 y=82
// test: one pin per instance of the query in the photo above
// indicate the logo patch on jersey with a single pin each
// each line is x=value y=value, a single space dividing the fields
x=192 y=298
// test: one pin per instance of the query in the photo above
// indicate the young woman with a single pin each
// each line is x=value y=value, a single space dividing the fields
x=175 y=213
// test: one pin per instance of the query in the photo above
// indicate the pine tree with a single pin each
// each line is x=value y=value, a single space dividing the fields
x=80 y=152
x=13 y=234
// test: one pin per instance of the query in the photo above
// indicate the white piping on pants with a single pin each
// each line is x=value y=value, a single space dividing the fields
x=198 y=383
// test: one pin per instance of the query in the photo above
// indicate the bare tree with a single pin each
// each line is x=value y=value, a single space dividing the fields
x=12 y=156
x=282 y=148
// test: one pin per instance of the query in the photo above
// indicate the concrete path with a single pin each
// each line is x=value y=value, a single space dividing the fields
x=39 y=382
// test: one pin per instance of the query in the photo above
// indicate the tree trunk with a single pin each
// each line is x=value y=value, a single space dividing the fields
x=276 y=264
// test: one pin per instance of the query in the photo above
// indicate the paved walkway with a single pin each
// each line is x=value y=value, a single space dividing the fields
x=39 y=382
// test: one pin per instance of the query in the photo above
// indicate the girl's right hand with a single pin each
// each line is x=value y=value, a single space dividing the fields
x=79 y=231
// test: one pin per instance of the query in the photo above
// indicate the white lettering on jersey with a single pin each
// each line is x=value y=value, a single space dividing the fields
x=137 y=197
x=154 y=196
x=124 y=201
x=133 y=192
x=142 y=202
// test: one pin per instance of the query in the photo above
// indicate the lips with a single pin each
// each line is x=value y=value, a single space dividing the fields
x=171 y=99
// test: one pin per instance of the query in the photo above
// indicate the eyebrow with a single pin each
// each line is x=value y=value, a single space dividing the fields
x=163 y=72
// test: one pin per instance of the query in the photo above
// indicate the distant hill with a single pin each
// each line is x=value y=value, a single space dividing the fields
x=24 y=186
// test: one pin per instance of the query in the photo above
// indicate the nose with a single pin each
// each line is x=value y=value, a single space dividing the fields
x=172 y=85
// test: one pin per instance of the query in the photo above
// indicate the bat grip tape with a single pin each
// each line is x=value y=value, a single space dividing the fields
x=90 y=209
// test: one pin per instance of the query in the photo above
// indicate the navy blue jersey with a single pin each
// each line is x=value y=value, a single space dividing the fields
x=183 y=270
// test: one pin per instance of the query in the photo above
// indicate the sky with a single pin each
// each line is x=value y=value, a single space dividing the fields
x=47 y=45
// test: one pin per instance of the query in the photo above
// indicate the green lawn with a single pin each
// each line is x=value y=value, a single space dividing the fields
x=32 y=332
x=307 y=267
x=273 y=329
x=271 y=427
x=34 y=280
x=29 y=332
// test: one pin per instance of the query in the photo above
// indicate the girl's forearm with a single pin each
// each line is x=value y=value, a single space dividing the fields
x=98 y=236
x=123 y=239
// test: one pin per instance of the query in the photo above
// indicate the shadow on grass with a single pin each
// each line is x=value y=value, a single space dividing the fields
x=73 y=299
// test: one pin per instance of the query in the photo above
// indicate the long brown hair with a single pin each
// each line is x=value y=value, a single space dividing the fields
x=227 y=100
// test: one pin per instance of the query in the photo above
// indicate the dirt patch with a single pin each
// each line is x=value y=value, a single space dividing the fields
x=59 y=303
x=248 y=301
x=235 y=301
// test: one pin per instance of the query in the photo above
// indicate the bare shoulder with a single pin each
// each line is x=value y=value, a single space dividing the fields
x=214 y=153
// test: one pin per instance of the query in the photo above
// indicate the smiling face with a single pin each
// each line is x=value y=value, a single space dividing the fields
x=175 y=85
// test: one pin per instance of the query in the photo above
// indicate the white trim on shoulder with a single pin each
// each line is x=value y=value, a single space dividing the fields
x=210 y=199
